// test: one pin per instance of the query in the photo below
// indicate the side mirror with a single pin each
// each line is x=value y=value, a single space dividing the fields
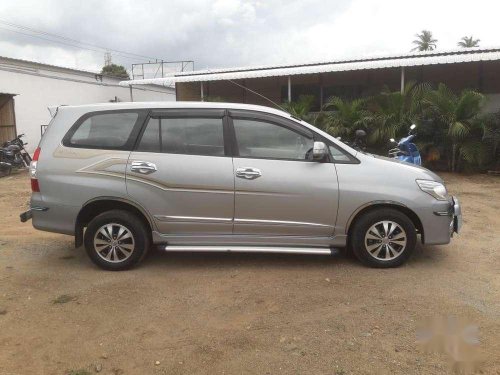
x=319 y=151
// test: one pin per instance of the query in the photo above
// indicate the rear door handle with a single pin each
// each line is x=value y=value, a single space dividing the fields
x=144 y=167
x=248 y=173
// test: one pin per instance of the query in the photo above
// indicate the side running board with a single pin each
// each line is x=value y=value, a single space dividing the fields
x=252 y=249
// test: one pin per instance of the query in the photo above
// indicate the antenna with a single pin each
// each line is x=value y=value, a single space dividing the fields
x=256 y=93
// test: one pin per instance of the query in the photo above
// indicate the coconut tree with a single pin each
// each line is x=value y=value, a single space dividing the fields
x=424 y=41
x=468 y=42
x=458 y=114
x=344 y=117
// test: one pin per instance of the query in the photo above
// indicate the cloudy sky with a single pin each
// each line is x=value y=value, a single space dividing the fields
x=224 y=33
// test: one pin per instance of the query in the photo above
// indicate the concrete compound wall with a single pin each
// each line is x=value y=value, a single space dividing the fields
x=37 y=87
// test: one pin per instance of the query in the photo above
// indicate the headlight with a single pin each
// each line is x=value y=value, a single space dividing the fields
x=436 y=189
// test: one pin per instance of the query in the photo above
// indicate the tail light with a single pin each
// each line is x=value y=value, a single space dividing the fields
x=35 y=188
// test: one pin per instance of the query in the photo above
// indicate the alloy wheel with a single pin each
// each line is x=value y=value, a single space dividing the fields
x=114 y=242
x=385 y=240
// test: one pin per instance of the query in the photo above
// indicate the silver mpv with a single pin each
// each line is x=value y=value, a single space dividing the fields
x=121 y=177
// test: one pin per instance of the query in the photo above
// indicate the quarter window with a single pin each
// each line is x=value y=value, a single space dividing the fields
x=259 y=139
x=192 y=136
x=107 y=130
x=337 y=155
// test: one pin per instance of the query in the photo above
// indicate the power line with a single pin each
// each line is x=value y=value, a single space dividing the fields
x=79 y=44
x=60 y=42
x=72 y=40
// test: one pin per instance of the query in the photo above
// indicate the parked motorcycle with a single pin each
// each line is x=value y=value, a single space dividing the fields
x=14 y=155
x=406 y=150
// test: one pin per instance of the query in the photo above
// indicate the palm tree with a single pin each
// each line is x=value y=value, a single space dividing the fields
x=394 y=111
x=345 y=117
x=301 y=107
x=468 y=42
x=490 y=140
x=458 y=114
x=424 y=41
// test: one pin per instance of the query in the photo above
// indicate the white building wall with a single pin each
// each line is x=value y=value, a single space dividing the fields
x=37 y=88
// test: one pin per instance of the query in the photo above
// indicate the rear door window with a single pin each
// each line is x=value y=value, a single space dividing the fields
x=114 y=130
x=191 y=136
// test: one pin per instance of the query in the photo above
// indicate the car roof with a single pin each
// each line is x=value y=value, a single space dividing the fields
x=172 y=105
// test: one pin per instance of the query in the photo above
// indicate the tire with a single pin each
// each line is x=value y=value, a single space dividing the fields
x=371 y=244
x=5 y=169
x=27 y=159
x=116 y=240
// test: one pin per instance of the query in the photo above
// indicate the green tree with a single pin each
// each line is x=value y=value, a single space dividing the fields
x=115 y=71
x=491 y=134
x=394 y=111
x=468 y=42
x=458 y=114
x=301 y=107
x=424 y=41
x=345 y=117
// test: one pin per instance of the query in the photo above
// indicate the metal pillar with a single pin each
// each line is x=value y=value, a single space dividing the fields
x=245 y=91
x=480 y=77
x=321 y=92
x=201 y=91
x=131 y=94
x=289 y=89
x=402 y=79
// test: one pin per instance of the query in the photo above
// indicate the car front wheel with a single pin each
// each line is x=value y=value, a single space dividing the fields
x=383 y=238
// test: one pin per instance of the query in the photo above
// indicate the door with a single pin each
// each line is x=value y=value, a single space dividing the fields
x=7 y=118
x=181 y=173
x=279 y=190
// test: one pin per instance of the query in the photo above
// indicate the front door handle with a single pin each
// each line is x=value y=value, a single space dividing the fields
x=144 y=167
x=248 y=173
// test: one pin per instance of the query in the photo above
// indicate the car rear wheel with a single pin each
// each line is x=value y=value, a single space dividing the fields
x=383 y=238
x=116 y=240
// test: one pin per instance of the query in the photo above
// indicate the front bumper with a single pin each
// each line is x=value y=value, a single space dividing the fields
x=457 y=215
x=440 y=223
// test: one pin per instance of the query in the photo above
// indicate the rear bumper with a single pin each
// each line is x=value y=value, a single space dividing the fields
x=51 y=218
x=28 y=215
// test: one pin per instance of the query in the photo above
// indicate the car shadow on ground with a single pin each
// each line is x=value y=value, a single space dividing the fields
x=157 y=258
x=422 y=255
x=197 y=260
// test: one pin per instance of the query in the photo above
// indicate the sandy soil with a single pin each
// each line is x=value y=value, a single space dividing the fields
x=242 y=314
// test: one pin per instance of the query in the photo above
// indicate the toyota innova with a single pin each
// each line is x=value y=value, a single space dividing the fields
x=122 y=177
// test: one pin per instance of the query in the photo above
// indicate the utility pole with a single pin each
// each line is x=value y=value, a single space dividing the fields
x=107 y=58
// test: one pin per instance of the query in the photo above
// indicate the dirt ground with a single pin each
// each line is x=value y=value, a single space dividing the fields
x=239 y=313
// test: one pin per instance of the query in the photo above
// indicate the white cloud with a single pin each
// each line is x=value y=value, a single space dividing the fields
x=230 y=12
x=241 y=32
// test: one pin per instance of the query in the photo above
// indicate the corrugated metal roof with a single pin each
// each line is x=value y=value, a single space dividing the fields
x=373 y=62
